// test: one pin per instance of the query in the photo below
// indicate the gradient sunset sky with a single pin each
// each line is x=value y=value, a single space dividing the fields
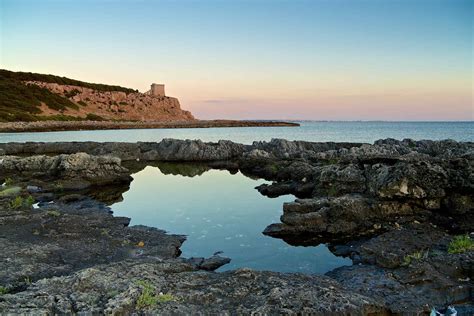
x=321 y=60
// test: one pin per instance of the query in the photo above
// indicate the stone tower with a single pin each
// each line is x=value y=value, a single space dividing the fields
x=158 y=89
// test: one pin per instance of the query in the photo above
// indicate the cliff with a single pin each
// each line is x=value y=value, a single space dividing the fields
x=38 y=97
x=115 y=105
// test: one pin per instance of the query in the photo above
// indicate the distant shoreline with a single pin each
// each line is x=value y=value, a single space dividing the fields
x=54 y=126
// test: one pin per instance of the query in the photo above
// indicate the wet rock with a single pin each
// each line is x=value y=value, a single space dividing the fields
x=209 y=264
x=276 y=189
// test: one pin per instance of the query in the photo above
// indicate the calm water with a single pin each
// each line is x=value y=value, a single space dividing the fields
x=220 y=212
x=310 y=131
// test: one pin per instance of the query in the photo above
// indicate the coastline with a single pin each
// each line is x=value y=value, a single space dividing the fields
x=53 y=126
x=398 y=209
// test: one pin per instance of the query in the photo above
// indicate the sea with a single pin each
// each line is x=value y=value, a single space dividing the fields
x=316 y=131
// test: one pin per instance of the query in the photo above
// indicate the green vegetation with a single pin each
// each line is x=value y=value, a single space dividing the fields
x=105 y=232
x=331 y=161
x=332 y=191
x=4 y=290
x=274 y=168
x=53 y=213
x=148 y=297
x=20 y=202
x=123 y=103
x=58 y=187
x=21 y=102
x=58 y=117
x=72 y=93
x=10 y=191
x=28 y=76
x=8 y=181
x=163 y=298
x=82 y=103
x=461 y=244
x=418 y=255
x=94 y=117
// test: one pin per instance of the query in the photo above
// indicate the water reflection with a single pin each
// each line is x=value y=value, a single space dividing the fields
x=219 y=211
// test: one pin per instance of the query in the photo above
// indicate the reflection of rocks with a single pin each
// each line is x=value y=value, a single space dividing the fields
x=183 y=169
x=175 y=168
x=392 y=207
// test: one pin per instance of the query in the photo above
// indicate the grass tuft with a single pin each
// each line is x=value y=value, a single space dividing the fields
x=4 y=290
x=148 y=298
x=20 y=202
x=460 y=244
x=418 y=255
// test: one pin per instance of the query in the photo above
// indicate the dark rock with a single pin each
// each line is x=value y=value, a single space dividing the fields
x=208 y=264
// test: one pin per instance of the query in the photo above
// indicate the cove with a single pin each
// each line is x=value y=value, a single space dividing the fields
x=218 y=211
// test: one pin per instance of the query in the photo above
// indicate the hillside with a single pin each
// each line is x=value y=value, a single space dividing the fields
x=38 y=97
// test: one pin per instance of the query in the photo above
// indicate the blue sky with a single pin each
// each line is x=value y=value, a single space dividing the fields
x=403 y=60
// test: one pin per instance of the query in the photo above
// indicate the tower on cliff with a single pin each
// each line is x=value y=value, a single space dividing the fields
x=157 y=89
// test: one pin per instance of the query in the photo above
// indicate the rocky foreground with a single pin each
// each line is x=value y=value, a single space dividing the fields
x=403 y=211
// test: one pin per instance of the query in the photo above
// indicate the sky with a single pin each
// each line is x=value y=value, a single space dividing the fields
x=259 y=59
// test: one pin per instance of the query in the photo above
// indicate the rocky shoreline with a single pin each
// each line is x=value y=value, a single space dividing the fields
x=50 y=126
x=397 y=209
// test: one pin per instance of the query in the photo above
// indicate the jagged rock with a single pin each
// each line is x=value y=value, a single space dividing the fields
x=82 y=168
x=209 y=264
x=115 y=289
x=339 y=217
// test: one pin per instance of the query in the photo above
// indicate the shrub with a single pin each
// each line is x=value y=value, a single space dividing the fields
x=94 y=117
x=461 y=244
x=20 y=202
x=72 y=93
x=29 y=201
x=82 y=103
x=21 y=102
x=8 y=181
x=4 y=290
x=28 y=76
x=148 y=297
